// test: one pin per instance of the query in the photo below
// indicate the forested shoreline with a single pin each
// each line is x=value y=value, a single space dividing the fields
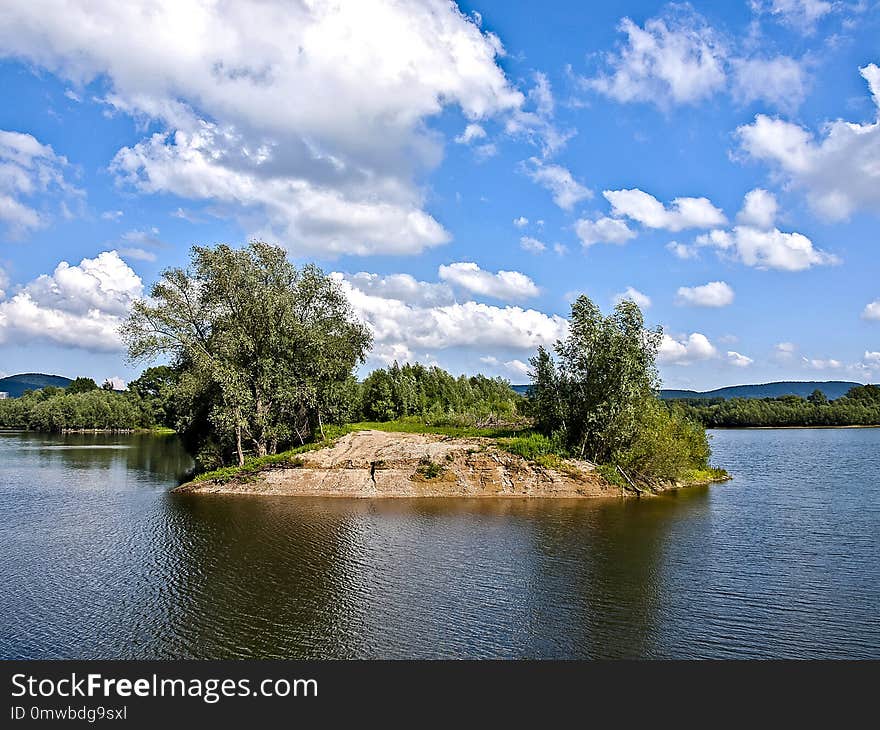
x=859 y=407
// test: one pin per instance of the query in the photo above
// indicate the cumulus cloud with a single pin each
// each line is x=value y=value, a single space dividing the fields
x=759 y=209
x=307 y=121
x=872 y=310
x=738 y=360
x=521 y=222
x=401 y=328
x=678 y=58
x=532 y=245
x=400 y=287
x=821 y=364
x=647 y=210
x=501 y=285
x=784 y=350
x=567 y=192
x=633 y=295
x=780 y=81
x=685 y=349
x=839 y=169
x=675 y=59
x=771 y=249
x=713 y=294
x=28 y=170
x=75 y=306
x=603 y=230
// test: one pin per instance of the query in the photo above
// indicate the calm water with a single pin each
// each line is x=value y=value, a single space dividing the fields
x=98 y=560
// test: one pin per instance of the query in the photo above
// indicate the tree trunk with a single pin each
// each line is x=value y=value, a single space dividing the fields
x=321 y=426
x=238 y=448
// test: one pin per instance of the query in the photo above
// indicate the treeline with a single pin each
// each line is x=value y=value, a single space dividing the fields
x=431 y=392
x=75 y=407
x=859 y=407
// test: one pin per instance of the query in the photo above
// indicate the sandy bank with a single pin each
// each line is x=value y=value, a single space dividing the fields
x=374 y=464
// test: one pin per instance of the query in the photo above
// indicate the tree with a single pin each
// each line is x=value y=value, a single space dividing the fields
x=108 y=385
x=604 y=375
x=259 y=343
x=82 y=385
x=817 y=398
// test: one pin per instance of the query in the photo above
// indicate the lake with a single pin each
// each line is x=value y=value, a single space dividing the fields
x=99 y=560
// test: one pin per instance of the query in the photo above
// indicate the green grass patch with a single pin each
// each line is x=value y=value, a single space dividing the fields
x=419 y=425
x=428 y=469
x=709 y=474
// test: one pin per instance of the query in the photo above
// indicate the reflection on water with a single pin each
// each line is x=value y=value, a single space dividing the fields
x=99 y=560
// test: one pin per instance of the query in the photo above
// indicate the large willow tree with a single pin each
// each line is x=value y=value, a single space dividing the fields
x=260 y=344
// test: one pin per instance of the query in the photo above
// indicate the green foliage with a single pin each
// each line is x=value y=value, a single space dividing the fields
x=666 y=445
x=431 y=392
x=57 y=409
x=859 y=407
x=264 y=349
x=530 y=446
x=428 y=469
x=82 y=385
x=598 y=399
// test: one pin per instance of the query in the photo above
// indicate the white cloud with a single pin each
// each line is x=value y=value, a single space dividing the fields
x=647 y=210
x=603 y=230
x=76 y=306
x=28 y=169
x=785 y=350
x=521 y=222
x=471 y=132
x=872 y=310
x=138 y=254
x=307 y=121
x=634 y=295
x=501 y=285
x=678 y=59
x=738 y=360
x=840 y=171
x=400 y=287
x=111 y=215
x=401 y=329
x=567 y=192
x=117 y=382
x=686 y=349
x=780 y=81
x=560 y=249
x=4 y=282
x=514 y=367
x=771 y=249
x=713 y=294
x=759 y=209
x=532 y=245
x=802 y=15
x=536 y=124
x=819 y=364
x=681 y=250
x=872 y=358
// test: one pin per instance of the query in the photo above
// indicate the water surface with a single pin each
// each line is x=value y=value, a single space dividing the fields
x=98 y=560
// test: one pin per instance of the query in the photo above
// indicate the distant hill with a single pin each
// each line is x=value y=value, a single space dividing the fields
x=16 y=385
x=831 y=388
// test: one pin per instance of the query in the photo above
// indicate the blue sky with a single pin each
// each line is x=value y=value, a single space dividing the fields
x=464 y=170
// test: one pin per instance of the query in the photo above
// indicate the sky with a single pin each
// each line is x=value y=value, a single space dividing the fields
x=464 y=172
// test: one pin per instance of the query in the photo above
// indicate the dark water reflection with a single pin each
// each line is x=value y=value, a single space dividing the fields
x=99 y=560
